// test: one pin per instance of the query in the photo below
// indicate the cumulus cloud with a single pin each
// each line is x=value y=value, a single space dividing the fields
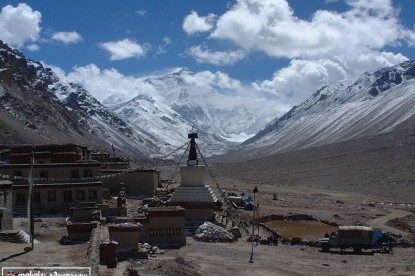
x=123 y=49
x=109 y=83
x=210 y=79
x=296 y=82
x=19 y=24
x=110 y=86
x=271 y=26
x=204 y=55
x=329 y=46
x=193 y=23
x=67 y=37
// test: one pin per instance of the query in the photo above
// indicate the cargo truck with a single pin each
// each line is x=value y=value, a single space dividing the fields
x=355 y=237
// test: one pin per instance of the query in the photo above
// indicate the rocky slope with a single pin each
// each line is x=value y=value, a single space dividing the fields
x=37 y=107
x=371 y=104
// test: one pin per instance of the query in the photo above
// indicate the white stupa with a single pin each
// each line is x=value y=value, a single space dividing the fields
x=198 y=199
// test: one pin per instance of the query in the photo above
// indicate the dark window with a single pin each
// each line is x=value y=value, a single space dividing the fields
x=20 y=199
x=67 y=196
x=17 y=173
x=172 y=232
x=92 y=194
x=51 y=196
x=156 y=232
x=80 y=195
x=36 y=198
x=44 y=174
x=74 y=173
x=88 y=173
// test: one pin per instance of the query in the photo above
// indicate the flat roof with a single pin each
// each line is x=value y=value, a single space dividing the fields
x=6 y=183
x=45 y=165
x=59 y=185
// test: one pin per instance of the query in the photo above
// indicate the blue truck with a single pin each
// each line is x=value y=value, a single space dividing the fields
x=355 y=237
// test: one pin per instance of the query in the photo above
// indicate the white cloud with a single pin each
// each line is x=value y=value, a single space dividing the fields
x=193 y=23
x=327 y=47
x=141 y=13
x=106 y=83
x=33 y=47
x=57 y=70
x=215 y=57
x=296 y=82
x=162 y=48
x=124 y=49
x=19 y=24
x=270 y=26
x=205 y=79
x=67 y=37
x=109 y=85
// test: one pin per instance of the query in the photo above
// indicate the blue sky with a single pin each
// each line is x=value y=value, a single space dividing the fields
x=283 y=49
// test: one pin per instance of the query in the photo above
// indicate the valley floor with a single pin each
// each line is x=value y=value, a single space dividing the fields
x=198 y=258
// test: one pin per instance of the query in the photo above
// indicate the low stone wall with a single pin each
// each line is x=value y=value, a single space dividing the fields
x=80 y=231
x=99 y=235
x=295 y=217
x=107 y=211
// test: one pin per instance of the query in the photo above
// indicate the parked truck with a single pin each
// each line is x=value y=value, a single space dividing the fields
x=356 y=237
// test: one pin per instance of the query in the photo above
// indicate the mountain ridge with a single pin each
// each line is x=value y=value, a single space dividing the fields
x=373 y=103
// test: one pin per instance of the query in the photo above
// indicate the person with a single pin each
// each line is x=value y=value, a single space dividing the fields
x=326 y=235
x=390 y=247
x=276 y=241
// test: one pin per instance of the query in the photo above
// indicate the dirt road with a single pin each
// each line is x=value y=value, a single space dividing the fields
x=380 y=222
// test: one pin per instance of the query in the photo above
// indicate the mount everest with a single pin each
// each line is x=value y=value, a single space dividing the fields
x=145 y=125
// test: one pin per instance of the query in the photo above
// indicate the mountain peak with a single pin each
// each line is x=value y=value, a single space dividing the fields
x=181 y=71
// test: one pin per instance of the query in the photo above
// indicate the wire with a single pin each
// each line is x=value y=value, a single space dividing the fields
x=168 y=154
x=178 y=165
x=211 y=173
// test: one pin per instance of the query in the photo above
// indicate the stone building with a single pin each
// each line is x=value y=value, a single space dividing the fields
x=127 y=235
x=135 y=181
x=164 y=227
x=64 y=175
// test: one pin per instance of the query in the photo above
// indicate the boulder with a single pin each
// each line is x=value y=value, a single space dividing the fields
x=235 y=232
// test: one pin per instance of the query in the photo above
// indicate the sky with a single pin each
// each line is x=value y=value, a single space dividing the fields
x=282 y=50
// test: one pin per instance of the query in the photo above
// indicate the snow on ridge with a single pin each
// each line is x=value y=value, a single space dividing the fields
x=373 y=103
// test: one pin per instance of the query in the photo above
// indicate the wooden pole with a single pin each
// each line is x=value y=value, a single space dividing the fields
x=31 y=188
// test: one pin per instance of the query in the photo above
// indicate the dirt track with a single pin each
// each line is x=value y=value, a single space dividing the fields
x=380 y=222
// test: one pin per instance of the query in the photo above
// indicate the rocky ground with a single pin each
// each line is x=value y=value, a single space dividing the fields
x=199 y=258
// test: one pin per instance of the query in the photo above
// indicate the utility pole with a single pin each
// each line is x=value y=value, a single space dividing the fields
x=251 y=260
x=31 y=188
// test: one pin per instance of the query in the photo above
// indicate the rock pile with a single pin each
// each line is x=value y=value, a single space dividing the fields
x=145 y=249
x=209 y=232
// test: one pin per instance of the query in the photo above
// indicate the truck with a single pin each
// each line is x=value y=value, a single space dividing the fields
x=355 y=237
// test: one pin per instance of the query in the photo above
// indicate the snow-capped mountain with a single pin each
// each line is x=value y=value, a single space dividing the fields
x=373 y=103
x=37 y=106
x=182 y=101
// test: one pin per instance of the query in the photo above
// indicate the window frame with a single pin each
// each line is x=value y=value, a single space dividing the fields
x=51 y=196
x=78 y=195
